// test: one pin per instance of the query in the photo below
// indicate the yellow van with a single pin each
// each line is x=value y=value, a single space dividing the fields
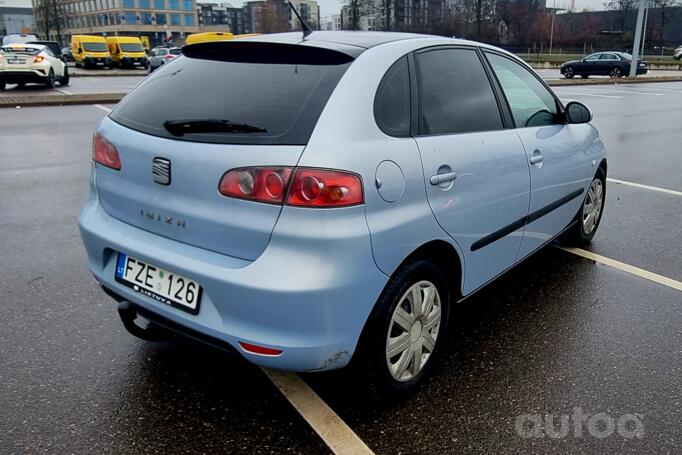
x=127 y=51
x=205 y=37
x=90 y=51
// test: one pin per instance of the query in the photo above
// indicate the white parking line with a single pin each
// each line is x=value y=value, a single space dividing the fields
x=645 y=187
x=104 y=108
x=627 y=268
x=630 y=92
x=63 y=91
x=591 y=94
x=334 y=432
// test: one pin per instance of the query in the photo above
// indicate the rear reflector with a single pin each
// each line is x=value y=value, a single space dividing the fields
x=260 y=350
x=307 y=188
x=105 y=153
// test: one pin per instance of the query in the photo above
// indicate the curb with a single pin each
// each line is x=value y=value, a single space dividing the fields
x=111 y=74
x=625 y=80
x=60 y=100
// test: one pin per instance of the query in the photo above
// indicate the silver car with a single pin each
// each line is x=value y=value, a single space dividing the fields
x=162 y=55
x=677 y=54
x=308 y=202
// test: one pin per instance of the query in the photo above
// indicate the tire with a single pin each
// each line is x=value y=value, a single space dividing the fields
x=64 y=81
x=21 y=84
x=569 y=72
x=582 y=232
x=584 y=76
x=2 y=85
x=615 y=73
x=49 y=82
x=395 y=376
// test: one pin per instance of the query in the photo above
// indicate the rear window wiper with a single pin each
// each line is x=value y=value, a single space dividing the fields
x=182 y=127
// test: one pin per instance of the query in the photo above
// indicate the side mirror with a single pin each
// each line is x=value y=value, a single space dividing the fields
x=80 y=50
x=578 y=113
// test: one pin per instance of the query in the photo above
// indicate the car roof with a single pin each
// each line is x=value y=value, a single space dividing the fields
x=361 y=39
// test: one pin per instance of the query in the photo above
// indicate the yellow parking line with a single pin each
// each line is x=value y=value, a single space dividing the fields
x=655 y=277
x=645 y=187
x=334 y=432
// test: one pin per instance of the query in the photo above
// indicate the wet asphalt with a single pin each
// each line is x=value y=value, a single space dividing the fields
x=557 y=335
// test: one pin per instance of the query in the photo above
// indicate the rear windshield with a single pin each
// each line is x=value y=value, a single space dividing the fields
x=95 y=47
x=258 y=93
x=131 y=47
x=177 y=51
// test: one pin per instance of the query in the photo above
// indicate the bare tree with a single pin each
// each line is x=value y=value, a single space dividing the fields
x=356 y=10
x=623 y=9
x=51 y=15
x=662 y=5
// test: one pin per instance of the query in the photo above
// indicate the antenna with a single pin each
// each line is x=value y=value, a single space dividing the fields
x=305 y=27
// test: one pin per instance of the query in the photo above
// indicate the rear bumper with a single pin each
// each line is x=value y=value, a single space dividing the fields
x=309 y=294
x=27 y=76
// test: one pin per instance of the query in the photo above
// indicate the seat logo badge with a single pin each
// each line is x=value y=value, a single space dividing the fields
x=161 y=171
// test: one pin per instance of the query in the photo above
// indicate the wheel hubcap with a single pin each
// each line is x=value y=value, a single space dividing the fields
x=592 y=206
x=413 y=331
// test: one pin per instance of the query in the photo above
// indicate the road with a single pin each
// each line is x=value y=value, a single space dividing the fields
x=558 y=335
x=124 y=84
x=82 y=84
x=554 y=74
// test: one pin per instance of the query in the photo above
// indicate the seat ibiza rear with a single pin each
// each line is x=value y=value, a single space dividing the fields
x=308 y=202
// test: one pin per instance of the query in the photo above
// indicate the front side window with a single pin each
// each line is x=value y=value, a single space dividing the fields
x=531 y=103
x=392 y=101
x=455 y=95
x=592 y=58
x=608 y=57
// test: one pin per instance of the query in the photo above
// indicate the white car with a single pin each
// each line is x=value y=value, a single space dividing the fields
x=25 y=63
x=677 y=53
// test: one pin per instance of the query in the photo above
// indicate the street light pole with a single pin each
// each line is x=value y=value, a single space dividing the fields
x=638 y=39
x=551 y=33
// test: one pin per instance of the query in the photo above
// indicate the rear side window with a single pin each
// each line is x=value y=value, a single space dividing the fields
x=455 y=94
x=392 y=101
x=236 y=93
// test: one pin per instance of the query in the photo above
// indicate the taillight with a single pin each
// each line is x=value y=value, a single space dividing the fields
x=169 y=57
x=262 y=184
x=38 y=58
x=325 y=188
x=104 y=152
x=306 y=188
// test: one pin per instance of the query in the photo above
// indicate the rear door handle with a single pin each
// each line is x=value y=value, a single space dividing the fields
x=537 y=158
x=443 y=178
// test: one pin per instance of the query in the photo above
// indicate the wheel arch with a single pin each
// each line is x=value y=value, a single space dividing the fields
x=446 y=257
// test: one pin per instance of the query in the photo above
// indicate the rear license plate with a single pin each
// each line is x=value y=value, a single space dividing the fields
x=136 y=63
x=100 y=63
x=159 y=284
x=16 y=61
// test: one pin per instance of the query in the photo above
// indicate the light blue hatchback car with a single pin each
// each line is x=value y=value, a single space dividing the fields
x=308 y=202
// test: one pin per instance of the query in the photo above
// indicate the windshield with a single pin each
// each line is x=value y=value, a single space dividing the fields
x=131 y=47
x=95 y=47
x=253 y=100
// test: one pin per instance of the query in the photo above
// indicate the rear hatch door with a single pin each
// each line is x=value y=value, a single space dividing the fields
x=274 y=93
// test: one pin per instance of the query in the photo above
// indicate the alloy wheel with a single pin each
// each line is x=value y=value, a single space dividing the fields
x=615 y=73
x=413 y=331
x=592 y=206
x=568 y=72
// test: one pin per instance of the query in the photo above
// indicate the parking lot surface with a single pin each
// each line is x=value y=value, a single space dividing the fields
x=559 y=335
